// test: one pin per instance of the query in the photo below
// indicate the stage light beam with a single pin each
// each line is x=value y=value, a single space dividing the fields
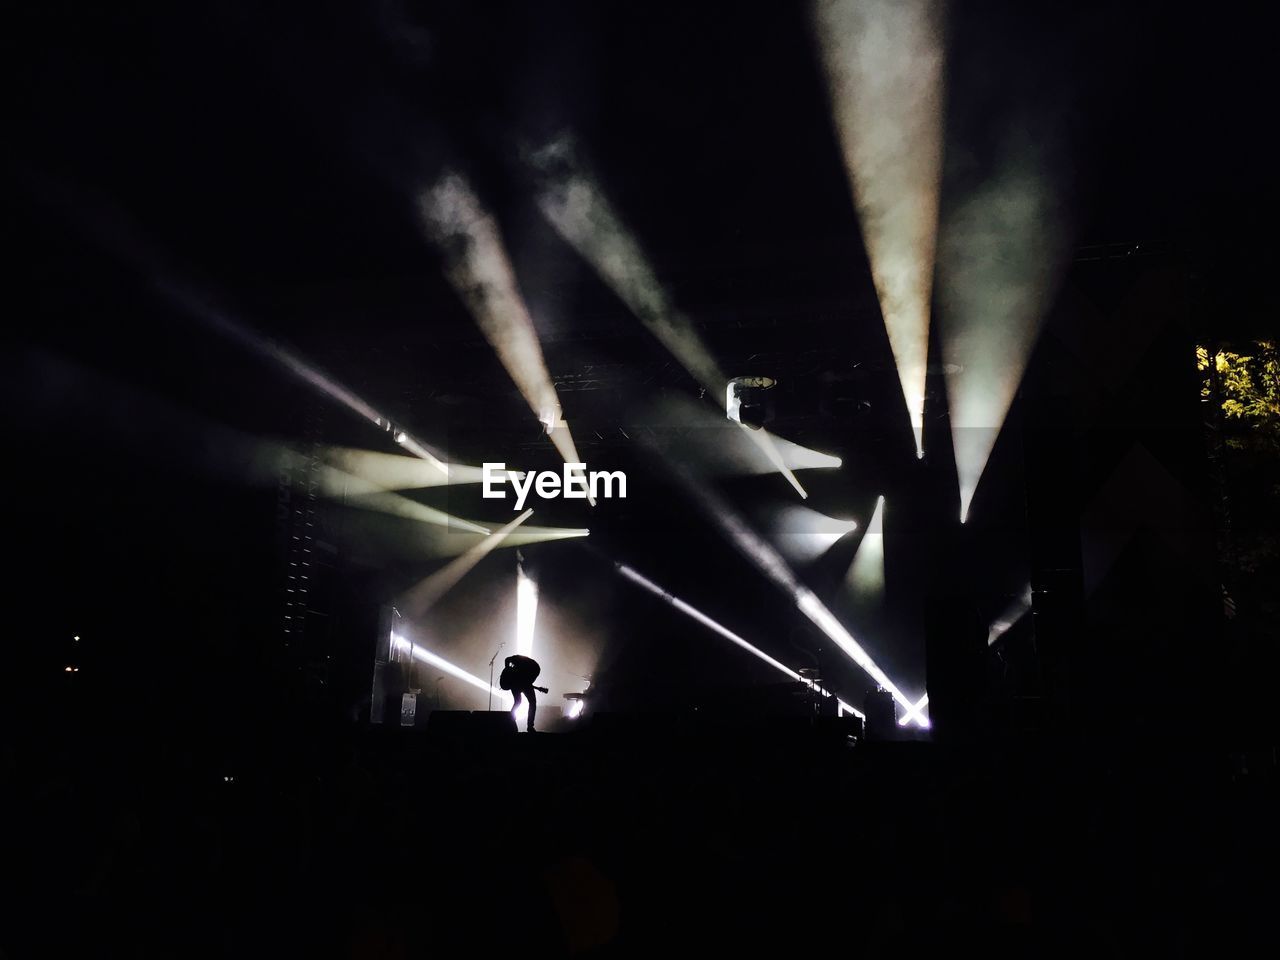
x=1011 y=616
x=767 y=560
x=803 y=534
x=577 y=208
x=696 y=614
x=477 y=265
x=917 y=712
x=390 y=471
x=526 y=617
x=866 y=573
x=426 y=656
x=227 y=326
x=426 y=592
x=1000 y=253
x=884 y=64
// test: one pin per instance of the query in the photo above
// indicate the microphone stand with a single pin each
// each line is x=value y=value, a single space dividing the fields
x=491 y=659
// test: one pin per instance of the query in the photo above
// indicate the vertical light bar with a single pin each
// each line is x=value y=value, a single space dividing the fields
x=526 y=616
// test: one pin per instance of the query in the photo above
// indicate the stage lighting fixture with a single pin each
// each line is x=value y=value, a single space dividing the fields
x=688 y=432
x=884 y=64
x=725 y=632
x=426 y=656
x=746 y=401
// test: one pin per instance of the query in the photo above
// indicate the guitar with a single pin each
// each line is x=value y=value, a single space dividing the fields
x=509 y=677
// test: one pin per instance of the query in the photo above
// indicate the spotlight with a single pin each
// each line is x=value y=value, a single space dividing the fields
x=775 y=568
x=1012 y=615
x=426 y=592
x=884 y=66
x=370 y=496
x=526 y=615
x=526 y=611
x=527 y=534
x=691 y=434
x=866 y=572
x=814 y=609
x=999 y=257
x=296 y=365
x=917 y=713
x=390 y=471
x=747 y=402
x=478 y=267
x=725 y=632
x=578 y=210
x=426 y=656
x=803 y=534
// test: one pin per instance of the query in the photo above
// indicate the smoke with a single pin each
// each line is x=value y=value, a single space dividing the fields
x=884 y=63
x=476 y=264
x=422 y=596
x=1002 y=249
x=393 y=472
x=1018 y=608
x=769 y=562
x=572 y=201
x=802 y=534
x=866 y=573
x=691 y=433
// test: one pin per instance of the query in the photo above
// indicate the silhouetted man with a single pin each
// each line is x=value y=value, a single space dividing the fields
x=518 y=674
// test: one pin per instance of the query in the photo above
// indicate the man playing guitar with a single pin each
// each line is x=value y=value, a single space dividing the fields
x=518 y=674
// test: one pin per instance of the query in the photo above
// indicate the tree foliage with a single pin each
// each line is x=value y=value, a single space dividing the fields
x=1248 y=385
x=1245 y=382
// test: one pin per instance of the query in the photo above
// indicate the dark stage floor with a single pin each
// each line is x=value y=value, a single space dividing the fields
x=647 y=838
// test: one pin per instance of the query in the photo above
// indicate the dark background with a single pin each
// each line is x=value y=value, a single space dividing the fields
x=265 y=157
